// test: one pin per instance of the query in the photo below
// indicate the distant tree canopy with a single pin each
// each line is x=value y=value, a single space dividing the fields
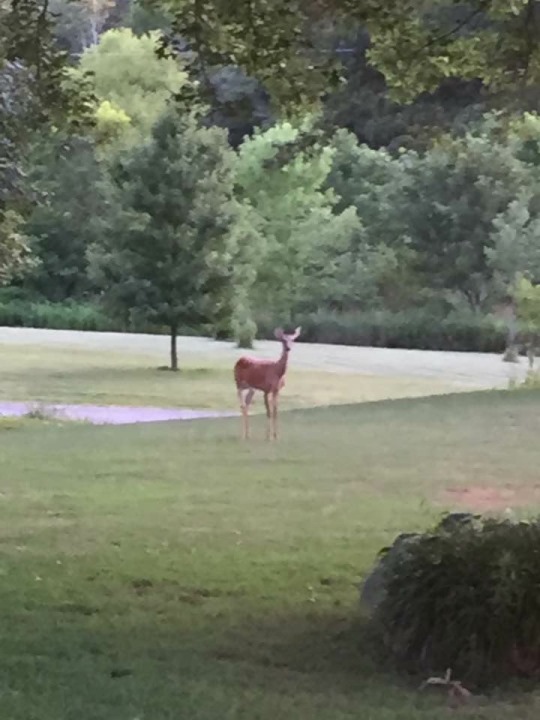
x=415 y=43
x=130 y=80
x=36 y=92
x=215 y=165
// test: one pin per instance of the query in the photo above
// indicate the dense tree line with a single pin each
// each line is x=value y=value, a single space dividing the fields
x=338 y=168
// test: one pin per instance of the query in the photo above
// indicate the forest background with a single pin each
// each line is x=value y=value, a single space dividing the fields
x=191 y=168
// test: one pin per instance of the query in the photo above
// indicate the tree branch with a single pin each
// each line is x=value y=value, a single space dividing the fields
x=41 y=23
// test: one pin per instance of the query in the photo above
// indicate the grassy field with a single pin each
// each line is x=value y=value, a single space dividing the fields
x=170 y=571
x=51 y=373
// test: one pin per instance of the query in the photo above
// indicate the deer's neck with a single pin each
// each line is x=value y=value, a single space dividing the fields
x=281 y=365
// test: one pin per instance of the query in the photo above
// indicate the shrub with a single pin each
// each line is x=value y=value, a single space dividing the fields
x=530 y=382
x=21 y=309
x=24 y=312
x=244 y=328
x=416 y=328
x=465 y=596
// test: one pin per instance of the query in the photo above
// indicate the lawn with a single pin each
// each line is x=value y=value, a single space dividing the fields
x=67 y=374
x=170 y=571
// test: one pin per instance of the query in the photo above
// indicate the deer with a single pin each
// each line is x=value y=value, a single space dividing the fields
x=268 y=376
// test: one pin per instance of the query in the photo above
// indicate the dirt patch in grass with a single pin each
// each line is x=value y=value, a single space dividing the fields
x=483 y=498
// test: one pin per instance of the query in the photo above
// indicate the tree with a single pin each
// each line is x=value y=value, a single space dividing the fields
x=514 y=247
x=296 y=218
x=15 y=255
x=175 y=259
x=527 y=296
x=450 y=200
x=414 y=43
x=77 y=207
x=130 y=78
x=79 y=23
x=372 y=181
x=36 y=91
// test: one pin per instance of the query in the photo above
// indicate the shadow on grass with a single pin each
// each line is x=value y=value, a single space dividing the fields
x=337 y=646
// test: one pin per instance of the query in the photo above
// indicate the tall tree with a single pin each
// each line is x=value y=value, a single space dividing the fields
x=450 y=201
x=77 y=207
x=296 y=216
x=174 y=259
x=130 y=77
x=36 y=91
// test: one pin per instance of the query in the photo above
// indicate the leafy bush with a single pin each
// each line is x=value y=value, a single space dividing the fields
x=530 y=382
x=23 y=312
x=416 y=328
x=465 y=596
x=19 y=308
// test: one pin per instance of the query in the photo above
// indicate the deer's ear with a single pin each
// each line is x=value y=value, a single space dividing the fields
x=278 y=333
x=297 y=332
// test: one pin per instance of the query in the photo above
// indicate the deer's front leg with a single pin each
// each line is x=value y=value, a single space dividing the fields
x=274 y=414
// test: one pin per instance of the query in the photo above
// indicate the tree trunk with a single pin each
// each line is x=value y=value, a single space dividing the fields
x=174 y=353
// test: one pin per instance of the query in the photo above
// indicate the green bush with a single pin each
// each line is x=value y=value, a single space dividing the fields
x=18 y=308
x=530 y=382
x=24 y=312
x=466 y=596
x=415 y=329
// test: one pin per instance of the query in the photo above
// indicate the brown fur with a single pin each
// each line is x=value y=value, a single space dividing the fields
x=267 y=376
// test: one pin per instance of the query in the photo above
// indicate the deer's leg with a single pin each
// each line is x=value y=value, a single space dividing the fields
x=274 y=414
x=268 y=416
x=245 y=402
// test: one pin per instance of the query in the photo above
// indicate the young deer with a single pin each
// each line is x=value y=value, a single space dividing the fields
x=251 y=374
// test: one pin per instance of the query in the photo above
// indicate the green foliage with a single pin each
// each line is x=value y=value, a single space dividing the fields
x=137 y=84
x=527 y=301
x=531 y=382
x=79 y=23
x=449 y=204
x=415 y=44
x=35 y=91
x=27 y=38
x=77 y=207
x=68 y=315
x=528 y=304
x=465 y=597
x=111 y=123
x=172 y=258
x=244 y=327
x=15 y=255
x=515 y=242
x=306 y=243
x=377 y=265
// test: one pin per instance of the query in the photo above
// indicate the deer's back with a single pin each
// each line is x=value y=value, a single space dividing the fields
x=257 y=373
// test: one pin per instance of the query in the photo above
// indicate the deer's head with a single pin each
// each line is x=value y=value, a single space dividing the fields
x=287 y=339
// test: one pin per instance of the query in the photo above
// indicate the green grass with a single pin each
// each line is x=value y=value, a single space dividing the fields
x=49 y=373
x=171 y=571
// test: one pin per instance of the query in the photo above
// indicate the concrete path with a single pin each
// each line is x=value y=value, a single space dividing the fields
x=108 y=414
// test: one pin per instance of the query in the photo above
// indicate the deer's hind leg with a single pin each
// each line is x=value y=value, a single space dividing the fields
x=245 y=401
x=268 y=416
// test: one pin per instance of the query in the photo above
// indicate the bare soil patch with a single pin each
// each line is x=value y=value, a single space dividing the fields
x=484 y=498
